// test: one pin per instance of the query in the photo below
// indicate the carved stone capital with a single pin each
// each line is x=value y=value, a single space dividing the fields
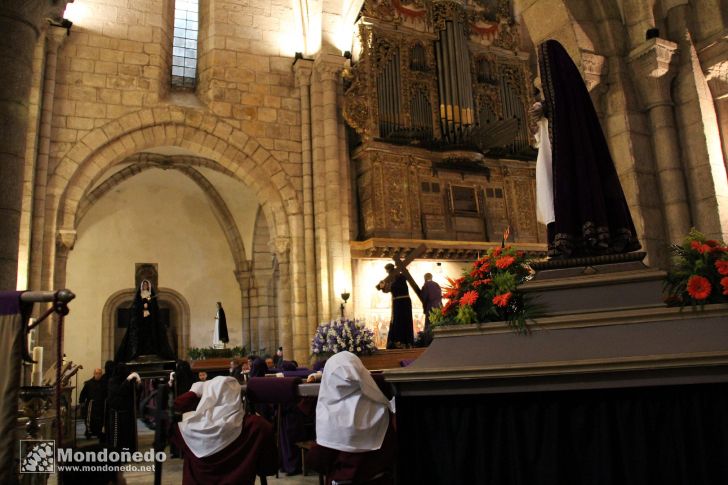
x=34 y=12
x=329 y=66
x=713 y=55
x=244 y=278
x=653 y=69
x=66 y=239
x=302 y=69
x=55 y=35
x=261 y=277
x=280 y=246
x=595 y=69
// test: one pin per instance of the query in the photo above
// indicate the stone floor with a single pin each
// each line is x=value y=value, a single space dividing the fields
x=172 y=468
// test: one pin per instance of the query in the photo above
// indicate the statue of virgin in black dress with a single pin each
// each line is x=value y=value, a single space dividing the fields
x=591 y=216
x=145 y=335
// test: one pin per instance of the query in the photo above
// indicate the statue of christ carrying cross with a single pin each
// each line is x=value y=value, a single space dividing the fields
x=401 y=333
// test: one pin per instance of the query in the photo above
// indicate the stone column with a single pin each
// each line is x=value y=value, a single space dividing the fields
x=260 y=313
x=304 y=70
x=55 y=36
x=328 y=67
x=65 y=240
x=319 y=200
x=19 y=23
x=244 y=281
x=31 y=158
x=281 y=246
x=713 y=55
x=653 y=71
x=699 y=137
x=347 y=182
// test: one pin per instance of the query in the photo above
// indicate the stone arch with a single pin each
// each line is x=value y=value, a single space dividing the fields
x=189 y=128
x=167 y=295
x=140 y=162
x=219 y=207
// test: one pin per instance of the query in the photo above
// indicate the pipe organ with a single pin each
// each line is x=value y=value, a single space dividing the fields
x=430 y=71
x=454 y=86
x=438 y=97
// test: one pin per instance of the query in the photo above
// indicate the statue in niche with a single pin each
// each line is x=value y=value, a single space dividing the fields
x=146 y=336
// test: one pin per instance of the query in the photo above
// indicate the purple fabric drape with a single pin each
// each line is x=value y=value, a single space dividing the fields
x=13 y=316
x=592 y=216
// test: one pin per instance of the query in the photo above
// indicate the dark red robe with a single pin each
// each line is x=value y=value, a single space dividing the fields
x=253 y=453
x=375 y=467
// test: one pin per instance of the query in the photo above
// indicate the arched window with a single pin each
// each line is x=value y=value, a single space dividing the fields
x=184 y=47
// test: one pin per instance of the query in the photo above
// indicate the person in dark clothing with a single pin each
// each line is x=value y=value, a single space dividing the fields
x=92 y=400
x=431 y=298
x=579 y=196
x=121 y=409
x=401 y=333
x=183 y=377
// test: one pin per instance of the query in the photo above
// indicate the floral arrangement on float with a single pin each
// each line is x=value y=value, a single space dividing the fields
x=489 y=292
x=195 y=353
x=699 y=272
x=342 y=334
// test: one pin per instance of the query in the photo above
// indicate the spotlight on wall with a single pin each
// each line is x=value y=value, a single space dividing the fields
x=347 y=54
x=297 y=56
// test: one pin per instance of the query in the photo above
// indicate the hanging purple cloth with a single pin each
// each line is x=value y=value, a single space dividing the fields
x=592 y=216
x=13 y=317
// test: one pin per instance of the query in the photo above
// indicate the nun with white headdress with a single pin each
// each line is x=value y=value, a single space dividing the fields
x=354 y=433
x=218 y=442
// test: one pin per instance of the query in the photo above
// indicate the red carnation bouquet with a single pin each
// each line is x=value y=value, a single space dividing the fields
x=488 y=292
x=699 y=272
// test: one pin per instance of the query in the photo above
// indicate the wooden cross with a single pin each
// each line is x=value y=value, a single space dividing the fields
x=401 y=265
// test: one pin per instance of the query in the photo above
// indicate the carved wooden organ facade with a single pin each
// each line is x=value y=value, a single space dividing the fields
x=438 y=96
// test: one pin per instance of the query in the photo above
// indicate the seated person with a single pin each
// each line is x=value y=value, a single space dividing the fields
x=355 y=439
x=93 y=399
x=258 y=368
x=236 y=370
x=219 y=443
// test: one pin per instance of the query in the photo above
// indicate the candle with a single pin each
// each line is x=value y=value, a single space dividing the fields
x=36 y=376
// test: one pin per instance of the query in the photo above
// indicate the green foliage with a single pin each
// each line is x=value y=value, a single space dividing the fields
x=465 y=315
x=195 y=353
x=436 y=317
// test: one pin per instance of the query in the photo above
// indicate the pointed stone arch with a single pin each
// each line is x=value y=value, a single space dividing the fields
x=201 y=133
x=219 y=208
x=192 y=129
